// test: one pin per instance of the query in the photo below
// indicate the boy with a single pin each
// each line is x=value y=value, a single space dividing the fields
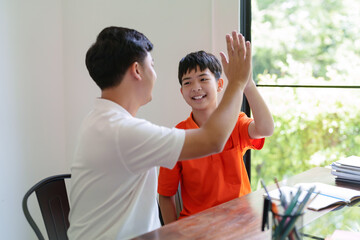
x=113 y=181
x=215 y=179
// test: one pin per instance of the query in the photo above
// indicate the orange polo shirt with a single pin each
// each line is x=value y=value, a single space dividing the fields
x=215 y=179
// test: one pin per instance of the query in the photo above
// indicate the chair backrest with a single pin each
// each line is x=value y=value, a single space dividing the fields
x=54 y=205
x=178 y=205
x=178 y=202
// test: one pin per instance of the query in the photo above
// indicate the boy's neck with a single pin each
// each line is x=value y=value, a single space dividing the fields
x=201 y=116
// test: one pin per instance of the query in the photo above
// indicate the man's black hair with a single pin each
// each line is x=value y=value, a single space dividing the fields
x=115 y=49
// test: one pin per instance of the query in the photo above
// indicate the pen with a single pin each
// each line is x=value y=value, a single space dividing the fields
x=265 y=219
x=277 y=184
x=264 y=186
x=282 y=197
x=305 y=200
x=311 y=200
x=275 y=211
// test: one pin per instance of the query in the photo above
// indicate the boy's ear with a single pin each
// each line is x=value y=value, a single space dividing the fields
x=181 y=91
x=220 y=84
x=134 y=70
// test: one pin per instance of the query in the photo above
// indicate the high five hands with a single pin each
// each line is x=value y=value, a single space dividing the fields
x=237 y=66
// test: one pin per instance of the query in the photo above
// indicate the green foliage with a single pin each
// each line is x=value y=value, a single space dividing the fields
x=307 y=42
x=299 y=144
x=262 y=61
x=311 y=32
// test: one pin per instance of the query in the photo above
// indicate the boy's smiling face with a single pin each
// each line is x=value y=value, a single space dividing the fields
x=200 y=88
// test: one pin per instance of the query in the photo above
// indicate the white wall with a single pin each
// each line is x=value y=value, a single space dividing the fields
x=45 y=89
x=32 y=124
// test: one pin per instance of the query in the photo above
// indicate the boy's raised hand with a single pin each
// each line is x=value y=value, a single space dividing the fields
x=237 y=66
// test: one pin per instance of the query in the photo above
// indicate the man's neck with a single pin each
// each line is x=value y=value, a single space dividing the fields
x=123 y=100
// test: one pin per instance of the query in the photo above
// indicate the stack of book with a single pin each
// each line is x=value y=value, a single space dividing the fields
x=347 y=169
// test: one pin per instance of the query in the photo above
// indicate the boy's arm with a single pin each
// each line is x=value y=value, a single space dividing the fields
x=263 y=124
x=168 y=208
x=212 y=136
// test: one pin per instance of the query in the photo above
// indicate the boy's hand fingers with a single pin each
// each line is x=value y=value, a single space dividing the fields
x=241 y=47
x=248 y=48
x=248 y=52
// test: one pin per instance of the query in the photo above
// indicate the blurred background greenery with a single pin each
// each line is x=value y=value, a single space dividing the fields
x=298 y=42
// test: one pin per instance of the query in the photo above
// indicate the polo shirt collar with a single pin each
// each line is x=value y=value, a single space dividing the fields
x=101 y=103
x=190 y=123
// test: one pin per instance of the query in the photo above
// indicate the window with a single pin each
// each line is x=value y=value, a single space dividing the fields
x=306 y=62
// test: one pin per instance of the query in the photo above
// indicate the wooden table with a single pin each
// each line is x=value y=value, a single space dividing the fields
x=239 y=218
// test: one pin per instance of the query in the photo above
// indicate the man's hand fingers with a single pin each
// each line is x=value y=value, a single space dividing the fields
x=236 y=41
x=237 y=64
x=224 y=60
x=223 y=57
x=229 y=44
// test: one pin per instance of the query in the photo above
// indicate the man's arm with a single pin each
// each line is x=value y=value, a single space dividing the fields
x=263 y=124
x=212 y=136
x=168 y=208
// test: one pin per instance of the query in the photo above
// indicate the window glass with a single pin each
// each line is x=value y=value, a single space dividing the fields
x=313 y=127
x=307 y=43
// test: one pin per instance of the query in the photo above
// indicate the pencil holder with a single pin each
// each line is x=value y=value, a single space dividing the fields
x=286 y=226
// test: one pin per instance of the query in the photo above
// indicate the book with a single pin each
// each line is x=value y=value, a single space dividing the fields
x=352 y=162
x=324 y=195
x=347 y=169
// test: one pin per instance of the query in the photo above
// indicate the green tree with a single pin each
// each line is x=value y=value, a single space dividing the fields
x=307 y=42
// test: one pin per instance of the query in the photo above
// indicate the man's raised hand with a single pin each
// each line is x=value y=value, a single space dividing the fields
x=237 y=66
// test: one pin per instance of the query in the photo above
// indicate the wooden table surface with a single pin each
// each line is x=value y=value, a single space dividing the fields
x=239 y=218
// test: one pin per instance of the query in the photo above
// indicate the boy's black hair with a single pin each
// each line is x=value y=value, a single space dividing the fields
x=200 y=59
x=115 y=49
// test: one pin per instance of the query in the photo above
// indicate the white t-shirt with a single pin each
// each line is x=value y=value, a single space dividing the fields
x=114 y=180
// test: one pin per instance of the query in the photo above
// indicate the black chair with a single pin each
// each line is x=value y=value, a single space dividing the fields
x=178 y=206
x=54 y=205
x=178 y=202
